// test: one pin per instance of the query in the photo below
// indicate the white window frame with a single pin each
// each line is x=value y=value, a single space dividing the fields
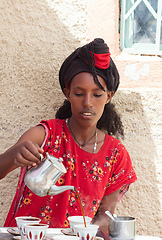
x=140 y=48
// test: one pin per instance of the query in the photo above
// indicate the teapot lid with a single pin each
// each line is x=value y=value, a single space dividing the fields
x=57 y=162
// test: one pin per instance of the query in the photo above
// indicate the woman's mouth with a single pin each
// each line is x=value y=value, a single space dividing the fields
x=87 y=114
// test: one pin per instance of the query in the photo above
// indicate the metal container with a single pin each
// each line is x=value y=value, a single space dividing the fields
x=123 y=228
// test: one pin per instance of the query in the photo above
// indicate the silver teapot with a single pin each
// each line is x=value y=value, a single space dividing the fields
x=41 y=179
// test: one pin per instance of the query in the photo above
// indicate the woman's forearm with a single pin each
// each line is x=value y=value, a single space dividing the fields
x=7 y=162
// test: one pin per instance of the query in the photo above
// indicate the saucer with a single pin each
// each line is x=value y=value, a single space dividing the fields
x=17 y=237
x=14 y=231
x=68 y=231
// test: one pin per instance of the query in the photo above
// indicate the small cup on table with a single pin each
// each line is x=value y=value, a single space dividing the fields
x=86 y=233
x=36 y=231
x=75 y=220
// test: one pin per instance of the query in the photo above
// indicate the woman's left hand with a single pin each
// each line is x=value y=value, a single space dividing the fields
x=108 y=203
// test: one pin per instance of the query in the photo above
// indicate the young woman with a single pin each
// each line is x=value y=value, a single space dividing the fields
x=97 y=164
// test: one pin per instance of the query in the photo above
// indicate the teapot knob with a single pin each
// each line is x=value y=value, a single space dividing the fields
x=60 y=159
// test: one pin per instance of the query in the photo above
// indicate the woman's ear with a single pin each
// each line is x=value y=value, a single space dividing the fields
x=110 y=94
x=67 y=93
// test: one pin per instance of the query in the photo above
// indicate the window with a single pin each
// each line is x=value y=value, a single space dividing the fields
x=141 y=26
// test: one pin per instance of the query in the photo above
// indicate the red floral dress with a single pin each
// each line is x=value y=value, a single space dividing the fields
x=94 y=175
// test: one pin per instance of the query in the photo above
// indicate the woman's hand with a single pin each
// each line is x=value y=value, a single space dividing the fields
x=108 y=203
x=27 y=154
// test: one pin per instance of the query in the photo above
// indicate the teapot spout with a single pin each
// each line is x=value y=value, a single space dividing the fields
x=54 y=190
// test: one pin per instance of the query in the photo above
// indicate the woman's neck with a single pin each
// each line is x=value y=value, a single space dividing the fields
x=89 y=139
x=81 y=133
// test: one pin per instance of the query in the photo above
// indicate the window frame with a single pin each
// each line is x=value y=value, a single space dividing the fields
x=140 y=48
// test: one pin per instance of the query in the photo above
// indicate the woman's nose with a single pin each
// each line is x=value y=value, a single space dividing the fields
x=87 y=100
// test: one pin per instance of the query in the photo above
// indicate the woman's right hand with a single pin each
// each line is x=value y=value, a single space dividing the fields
x=27 y=154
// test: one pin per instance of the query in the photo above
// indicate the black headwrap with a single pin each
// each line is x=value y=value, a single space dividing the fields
x=94 y=58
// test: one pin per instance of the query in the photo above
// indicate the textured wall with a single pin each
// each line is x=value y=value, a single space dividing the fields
x=35 y=37
x=140 y=110
x=102 y=21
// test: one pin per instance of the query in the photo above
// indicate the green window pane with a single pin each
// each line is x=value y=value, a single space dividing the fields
x=141 y=26
x=144 y=25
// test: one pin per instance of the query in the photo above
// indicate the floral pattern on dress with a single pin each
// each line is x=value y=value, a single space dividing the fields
x=46 y=210
x=73 y=199
x=46 y=213
x=95 y=205
x=56 y=145
x=110 y=161
x=27 y=199
x=93 y=170
x=114 y=177
x=71 y=163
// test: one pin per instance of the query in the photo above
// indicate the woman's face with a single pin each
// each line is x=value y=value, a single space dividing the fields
x=87 y=98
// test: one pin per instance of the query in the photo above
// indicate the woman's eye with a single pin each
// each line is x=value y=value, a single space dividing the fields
x=97 y=95
x=81 y=94
x=78 y=94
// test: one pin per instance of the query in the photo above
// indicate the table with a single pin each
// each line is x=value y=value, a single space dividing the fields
x=4 y=235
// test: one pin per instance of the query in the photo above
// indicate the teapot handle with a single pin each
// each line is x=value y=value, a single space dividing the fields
x=41 y=155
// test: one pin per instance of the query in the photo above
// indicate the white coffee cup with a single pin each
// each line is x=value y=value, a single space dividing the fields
x=75 y=220
x=36 y=231
x=86 y=233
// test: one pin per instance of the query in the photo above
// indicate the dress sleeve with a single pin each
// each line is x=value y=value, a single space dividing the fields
x=46 y=125
x=52 y=128
x=46 y=134
x=122 y=173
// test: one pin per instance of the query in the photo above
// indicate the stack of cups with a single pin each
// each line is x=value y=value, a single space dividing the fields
x=30 y=227
x=78 y=228
x=76 y=220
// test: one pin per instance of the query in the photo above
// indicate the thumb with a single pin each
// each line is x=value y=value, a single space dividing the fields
x=40 y=150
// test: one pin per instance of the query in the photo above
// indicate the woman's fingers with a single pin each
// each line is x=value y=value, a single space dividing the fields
x=24 y=164
x=28 y=153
